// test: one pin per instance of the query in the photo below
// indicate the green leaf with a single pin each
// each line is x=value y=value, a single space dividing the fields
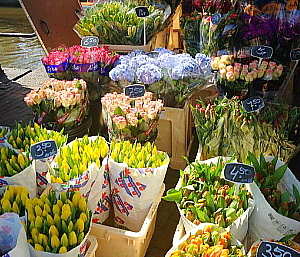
x=263 y=163
x=119 y=111
x=230 y=212
x=173 y=195
x=210 y=202
x=274 y=161
x=286 y=238
x=202 y=216
x=285 y=197
x=254 y=161
x=296 y=195
x=278 y=174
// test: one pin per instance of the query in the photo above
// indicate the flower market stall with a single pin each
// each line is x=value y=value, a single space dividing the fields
x=211 y=115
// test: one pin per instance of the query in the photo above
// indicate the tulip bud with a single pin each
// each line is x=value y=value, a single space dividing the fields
x=38 y=247
x=64 y=240
x=49 y=219
x=43 y=240
x=6 y=206
x=39 y=222
x=65 y=212
x=80 y=225
x=56 y=209
x=72 y=239
x=57 y=222
x=75 y=199
x=62 y=250
x=70 y=226
x=53 y=231
x=55 y=243
x=15 y=208
x=80 y=237
x=83 y=217
x=82 y=204
x=59 y=203
x=38 y=210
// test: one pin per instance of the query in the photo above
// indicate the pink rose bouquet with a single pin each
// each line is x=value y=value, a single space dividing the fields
x=59 y=103
x=133 y=119
x=236 y=76
x=56 y=63
x=88 y=63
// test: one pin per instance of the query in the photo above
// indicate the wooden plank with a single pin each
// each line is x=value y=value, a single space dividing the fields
x=53 y=21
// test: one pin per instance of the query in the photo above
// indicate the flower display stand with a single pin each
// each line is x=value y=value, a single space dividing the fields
x=175 y=129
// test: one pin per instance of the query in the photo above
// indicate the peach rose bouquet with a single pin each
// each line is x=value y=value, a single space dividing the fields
x=59 y=103
x=133 y=119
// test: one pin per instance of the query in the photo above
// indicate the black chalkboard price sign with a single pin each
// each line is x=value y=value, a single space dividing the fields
x=239 y=172
x=134 y=91
x=272 y=249
x=261 y=51
x=43 y=149
x=253 y=104
x=90 y=41
x=295 y=54
x=142 y=11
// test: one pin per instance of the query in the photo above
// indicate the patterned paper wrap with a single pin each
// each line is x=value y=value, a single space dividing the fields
x=133 y=192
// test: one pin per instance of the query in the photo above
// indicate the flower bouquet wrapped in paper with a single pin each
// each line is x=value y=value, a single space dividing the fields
x=131 y=119
x=60 y=103
x=56 y=63
x=170 y=77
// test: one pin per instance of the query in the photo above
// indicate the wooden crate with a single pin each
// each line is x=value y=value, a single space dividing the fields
x=175 y=129
x=174 y=135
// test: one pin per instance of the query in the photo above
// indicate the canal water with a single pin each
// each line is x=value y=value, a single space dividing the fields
x=18 y=52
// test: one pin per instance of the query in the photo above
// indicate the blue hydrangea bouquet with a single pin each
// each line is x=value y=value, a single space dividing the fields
x=171 y=77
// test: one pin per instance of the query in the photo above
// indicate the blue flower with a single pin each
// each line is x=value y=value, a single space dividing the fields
x=204 y=63
x=162 y=50
x=149 y=74
x=188 y=68
x=166 y=60
x=122 y=72
x=139 y=60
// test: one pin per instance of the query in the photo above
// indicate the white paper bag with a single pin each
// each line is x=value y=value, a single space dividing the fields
x=25 y=178
x=13 y=240
x=239 y=227
x=133 y=192
x=265 y=222
x=100 y=197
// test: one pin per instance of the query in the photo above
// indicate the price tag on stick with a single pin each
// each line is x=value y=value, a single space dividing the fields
x=239 y=173
x=261 y=52
x=43 y=149
x=143 y=12
x=90 y=41
x=272 y=249
x=134 y=91
x=253 y=104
